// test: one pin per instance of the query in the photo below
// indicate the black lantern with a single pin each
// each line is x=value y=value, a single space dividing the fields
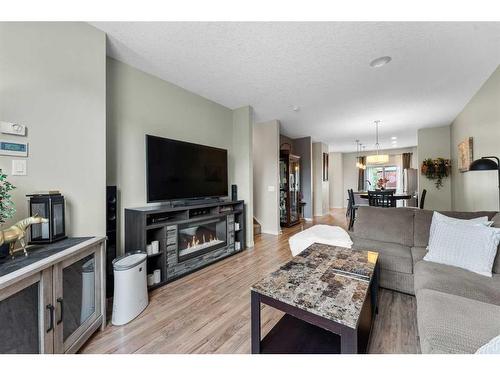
x=51 y=207
x=487 y=164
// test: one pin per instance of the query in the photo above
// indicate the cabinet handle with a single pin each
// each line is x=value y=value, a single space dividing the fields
x=61 y=302
x=51 y=309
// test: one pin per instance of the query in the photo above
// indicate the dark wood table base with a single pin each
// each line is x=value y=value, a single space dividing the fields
x=294 y=336
x=301 y=332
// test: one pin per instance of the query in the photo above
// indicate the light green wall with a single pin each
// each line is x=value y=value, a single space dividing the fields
x=140 y=104
x=266 y=155
x=336 y=179
x=434 y=143
x=52 y=79
x=321 y=189
x=480 y=119
x=243 y=163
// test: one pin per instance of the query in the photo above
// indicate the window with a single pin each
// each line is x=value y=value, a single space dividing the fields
x=390 y=172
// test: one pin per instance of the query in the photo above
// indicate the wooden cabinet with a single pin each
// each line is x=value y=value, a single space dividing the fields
x=56 y=304
x=77 y=288
x=26 y=315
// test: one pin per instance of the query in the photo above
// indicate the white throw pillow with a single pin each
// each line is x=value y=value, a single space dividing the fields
x=492 y=347
x=472 y=247
x=438 y=218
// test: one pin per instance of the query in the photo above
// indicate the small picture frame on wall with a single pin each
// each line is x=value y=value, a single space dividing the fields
x=325 y=166
x=465 y=154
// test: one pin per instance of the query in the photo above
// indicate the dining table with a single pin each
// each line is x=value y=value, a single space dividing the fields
x=395 y=196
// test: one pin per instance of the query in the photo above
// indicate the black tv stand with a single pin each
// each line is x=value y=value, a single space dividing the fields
x=195 y=202
x=170 y=225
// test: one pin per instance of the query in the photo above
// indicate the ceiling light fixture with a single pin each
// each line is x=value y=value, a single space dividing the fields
x=295 y=108
x=377 y=159
x=359 y=159
x=358 y=164
x=380 y=61
x=394 y=138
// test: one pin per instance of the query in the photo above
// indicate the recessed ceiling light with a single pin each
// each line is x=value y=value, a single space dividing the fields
x=394 y=138
x=295 y=108
x=381 y=61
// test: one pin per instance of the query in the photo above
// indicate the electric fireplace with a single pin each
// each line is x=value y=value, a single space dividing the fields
x=199 y=238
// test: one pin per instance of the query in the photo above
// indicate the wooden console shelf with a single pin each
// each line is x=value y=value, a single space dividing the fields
x=168 y=225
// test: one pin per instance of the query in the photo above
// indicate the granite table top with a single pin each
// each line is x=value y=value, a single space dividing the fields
x=328 y=281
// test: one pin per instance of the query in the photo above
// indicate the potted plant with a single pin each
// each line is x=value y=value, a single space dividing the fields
x=7 y=208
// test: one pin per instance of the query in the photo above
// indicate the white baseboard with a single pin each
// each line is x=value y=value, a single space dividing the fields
x=274 y=233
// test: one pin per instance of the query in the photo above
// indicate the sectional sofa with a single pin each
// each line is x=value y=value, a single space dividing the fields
x=457 y=310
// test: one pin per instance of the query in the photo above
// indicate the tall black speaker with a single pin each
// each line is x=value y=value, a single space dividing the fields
x=234 y=192
x=111 y=212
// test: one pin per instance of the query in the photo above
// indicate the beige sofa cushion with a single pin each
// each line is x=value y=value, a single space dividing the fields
x=453 y=324
x=417 y=254
x=385 y=224
x=392 y=256
x=457 y=281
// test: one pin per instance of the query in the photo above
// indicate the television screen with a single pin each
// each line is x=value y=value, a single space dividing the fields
x=182 y=170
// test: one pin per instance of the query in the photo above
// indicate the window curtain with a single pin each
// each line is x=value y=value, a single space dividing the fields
x=361 y=174
x=399 y=161
x=406 y=160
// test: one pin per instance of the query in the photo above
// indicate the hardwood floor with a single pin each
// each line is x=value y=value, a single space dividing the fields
x=209 y=310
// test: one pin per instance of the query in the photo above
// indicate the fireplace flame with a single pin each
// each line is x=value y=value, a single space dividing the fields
x=195 y=241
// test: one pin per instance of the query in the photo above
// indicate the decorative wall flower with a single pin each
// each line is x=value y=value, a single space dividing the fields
x=381 y=183
x=436 y=169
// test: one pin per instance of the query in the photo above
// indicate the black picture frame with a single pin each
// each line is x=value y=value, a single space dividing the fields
x=325 y=166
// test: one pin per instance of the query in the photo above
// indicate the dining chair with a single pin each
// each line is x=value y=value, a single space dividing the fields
x=353 y=207
x=350 y=202
x=422 y=199
x=381 y=198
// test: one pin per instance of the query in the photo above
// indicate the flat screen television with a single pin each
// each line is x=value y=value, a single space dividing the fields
x=178 y=170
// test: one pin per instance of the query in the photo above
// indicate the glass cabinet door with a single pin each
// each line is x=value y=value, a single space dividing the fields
x=283 y=190
x=294 y=189
x=27 y=316
x=77 y=303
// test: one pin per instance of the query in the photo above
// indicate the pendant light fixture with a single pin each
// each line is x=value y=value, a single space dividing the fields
x=359 y=159
x=377 y=159
x=362 y=161
x=358 y=163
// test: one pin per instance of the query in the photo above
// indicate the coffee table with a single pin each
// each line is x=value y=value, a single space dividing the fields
x=329 y=295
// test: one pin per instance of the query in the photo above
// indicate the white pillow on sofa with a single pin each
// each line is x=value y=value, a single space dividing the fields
x=491 y=347
x=437 y=218
x=472 y=247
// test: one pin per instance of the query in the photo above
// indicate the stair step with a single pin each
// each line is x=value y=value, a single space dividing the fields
x=256 y=227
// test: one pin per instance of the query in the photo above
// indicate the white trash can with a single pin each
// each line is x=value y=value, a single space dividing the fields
x=131 y=291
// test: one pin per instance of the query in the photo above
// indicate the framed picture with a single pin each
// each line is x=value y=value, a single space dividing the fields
x=325 y=166
x=465 y=154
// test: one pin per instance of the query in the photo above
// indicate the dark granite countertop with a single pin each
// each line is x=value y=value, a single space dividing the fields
x=329 y=281
x=37 y=253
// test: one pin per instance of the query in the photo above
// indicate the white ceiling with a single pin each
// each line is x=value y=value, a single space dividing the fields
x=323 y=68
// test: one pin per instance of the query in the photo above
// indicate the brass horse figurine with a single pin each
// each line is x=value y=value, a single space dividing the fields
x=17 y=232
